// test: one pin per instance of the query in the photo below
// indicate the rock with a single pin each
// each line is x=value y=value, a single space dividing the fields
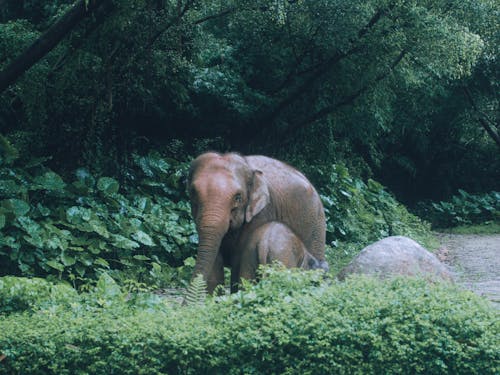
x=394 y=256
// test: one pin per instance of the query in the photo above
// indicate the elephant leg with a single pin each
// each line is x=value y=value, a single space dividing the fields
x=248 y=264
x=244 y=264
x=235 y=272
x=216 y=276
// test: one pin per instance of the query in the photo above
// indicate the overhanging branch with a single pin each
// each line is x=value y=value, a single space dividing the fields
x=483 y=119
x=47 y=41
x=326 y=65
x=350 y=98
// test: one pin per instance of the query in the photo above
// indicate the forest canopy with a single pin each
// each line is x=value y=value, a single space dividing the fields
x=406 y=91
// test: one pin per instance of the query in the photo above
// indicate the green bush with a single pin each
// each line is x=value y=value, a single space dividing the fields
x=75 y=229
x=359 y=213
x=463 y=209
x=20 y=294
x=291 y=322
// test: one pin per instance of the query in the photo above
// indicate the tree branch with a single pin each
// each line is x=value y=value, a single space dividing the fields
x=180 y=14
x=214 y=16
x=482 y=117
x=487 y=124
x=99 y=16
x=350 y=98
x=47 y=41
x=326 y=66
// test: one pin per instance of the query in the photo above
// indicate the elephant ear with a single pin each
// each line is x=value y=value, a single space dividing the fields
x=258 y=197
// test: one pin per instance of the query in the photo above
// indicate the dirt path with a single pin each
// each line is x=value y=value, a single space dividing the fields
x=475 y=261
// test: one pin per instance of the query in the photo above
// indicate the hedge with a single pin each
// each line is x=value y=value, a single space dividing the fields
x=289 y=323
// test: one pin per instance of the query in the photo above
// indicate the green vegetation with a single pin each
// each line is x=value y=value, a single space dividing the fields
x=464 y=209
x=485 y=228
x=291 y=322
x=78 y=228
x=402 y=91
x=360 y=213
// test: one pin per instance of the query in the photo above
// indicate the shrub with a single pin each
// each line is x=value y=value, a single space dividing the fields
x=291 y=322
x=20 y=294
x=74 y=229
x=463 y=208
x=360 y=213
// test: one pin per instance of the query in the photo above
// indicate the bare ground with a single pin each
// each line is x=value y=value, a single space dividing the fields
x=475 y=262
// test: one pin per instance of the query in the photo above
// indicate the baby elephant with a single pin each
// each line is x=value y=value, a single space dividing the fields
x=274 y=241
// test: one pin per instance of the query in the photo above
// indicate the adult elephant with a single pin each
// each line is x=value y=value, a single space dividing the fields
x=232 y=195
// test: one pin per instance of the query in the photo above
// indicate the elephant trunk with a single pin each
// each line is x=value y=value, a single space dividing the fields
x=211 y=231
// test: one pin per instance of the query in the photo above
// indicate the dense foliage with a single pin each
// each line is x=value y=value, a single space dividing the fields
x=397 y=88
x=463 y=209
x=291 y=322
x=360 y=213
x=77 y=228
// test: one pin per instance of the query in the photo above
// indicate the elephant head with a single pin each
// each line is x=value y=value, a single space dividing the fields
x=225 y=193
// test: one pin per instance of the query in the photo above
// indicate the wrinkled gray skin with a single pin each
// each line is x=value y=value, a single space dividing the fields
x=275 y=242
x=231 y=196
x=397 y=256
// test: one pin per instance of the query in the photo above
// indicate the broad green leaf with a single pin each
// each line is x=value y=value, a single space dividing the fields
x=85 y=259
x=36 y=241
x=80 y=269
x=156 y=267
x=141 y=257
x=67 y=259
x=77 y=215
x=94 y=249
x=107 y=287
x=17 y=206
x=99 y=228
x=101 y=262
x=56 y=265
x=44 y=211
x=193 y=238
x=10 y=188
x=135 y=223
x=143 y=204
x=108 y=185
x=49 y=181
x=124 y=243
x=143 y=238
x=30 y=226
x=166 y=245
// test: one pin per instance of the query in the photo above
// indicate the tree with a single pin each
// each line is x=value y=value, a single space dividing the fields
x=355 y=77
x=47 y=41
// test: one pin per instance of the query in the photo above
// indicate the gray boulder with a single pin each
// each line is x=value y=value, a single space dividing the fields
x=394 y=256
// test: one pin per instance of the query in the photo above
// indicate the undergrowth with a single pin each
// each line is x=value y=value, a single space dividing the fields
x=291 y=322
x=140 y=230
x=463 y=209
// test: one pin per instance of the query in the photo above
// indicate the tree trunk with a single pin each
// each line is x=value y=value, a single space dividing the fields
x=483 y=118
x=46 y=42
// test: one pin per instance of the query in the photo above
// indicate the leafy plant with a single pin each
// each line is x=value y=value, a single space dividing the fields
x=359 y=213
x=23 y=294
x=196 y=292
x=290 y=322
x=75 y=229
x=463 y=208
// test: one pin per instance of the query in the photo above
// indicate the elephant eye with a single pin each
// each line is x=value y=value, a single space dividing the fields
x=238 y=198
